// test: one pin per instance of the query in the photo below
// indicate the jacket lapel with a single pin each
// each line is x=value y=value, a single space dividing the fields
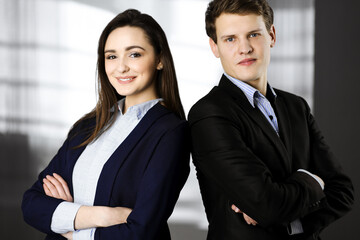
x=284 y=124
x=259 y=119
x=111 y=167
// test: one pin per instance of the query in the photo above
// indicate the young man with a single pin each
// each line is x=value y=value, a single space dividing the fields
x=264 y=169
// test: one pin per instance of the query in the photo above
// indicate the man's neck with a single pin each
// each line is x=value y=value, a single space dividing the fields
x=259 y=84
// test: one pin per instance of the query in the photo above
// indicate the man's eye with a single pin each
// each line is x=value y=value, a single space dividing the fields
x=231 y=39
x=253 y=35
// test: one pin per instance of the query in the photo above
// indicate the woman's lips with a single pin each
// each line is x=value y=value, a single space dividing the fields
x=126 y=79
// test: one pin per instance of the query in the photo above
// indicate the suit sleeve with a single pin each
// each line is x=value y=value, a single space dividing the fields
x=161 y=184
x=38 y=208
x=338 y=190
x=222 y=156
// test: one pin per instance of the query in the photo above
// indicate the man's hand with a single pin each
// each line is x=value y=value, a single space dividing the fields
x=56 y=187
x=248 y=219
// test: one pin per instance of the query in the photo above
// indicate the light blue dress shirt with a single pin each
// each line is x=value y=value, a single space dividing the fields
x=255 y=98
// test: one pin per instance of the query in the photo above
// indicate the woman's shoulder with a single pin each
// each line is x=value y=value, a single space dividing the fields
x=84 y=125
x=165 y=118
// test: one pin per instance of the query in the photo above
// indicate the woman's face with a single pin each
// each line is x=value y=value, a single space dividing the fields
x=130 y=64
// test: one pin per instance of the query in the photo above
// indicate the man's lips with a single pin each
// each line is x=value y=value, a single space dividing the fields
x=247 y=61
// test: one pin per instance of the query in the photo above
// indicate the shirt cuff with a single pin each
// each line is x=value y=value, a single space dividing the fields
x=295 y=227
x=63 y=217
x=316 y=178
x=84 y=234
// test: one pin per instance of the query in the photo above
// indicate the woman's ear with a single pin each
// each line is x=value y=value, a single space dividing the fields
x=160 y=66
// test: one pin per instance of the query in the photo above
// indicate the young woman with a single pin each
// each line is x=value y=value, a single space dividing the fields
x=119 y=173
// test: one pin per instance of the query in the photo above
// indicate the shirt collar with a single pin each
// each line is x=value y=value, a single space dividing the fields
x=250 y=92
x=138 y=110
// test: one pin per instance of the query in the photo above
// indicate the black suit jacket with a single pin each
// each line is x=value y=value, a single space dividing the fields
x=241 y=160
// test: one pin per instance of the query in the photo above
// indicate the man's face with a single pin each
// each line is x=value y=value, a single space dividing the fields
x=243 y=46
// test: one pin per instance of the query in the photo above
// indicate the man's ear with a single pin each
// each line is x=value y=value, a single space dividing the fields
x=214 y=48
x=273 y=36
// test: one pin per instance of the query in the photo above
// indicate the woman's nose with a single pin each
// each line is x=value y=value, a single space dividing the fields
x=122 y=66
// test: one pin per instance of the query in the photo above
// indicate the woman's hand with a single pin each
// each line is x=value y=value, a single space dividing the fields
x=248 y=219
x=87 y=216
x=68 y=235
x=56 y=187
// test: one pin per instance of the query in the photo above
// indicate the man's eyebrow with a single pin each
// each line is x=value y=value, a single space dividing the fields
x=234 y=35
x=256 y=30
x=126 y=49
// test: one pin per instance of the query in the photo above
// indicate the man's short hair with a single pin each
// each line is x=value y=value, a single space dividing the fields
x=241 y=7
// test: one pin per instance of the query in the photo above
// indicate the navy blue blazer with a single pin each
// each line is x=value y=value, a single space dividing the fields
x=146 y=173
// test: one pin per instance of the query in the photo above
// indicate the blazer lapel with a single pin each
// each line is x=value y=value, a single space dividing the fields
x=111 y=167
x=284 y=124
x=258 y=118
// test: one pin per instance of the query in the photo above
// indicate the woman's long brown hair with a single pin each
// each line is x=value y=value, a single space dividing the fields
x=165 y=79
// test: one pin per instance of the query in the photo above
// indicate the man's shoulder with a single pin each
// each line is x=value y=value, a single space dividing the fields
x=285 y=94
x=216 y=102
x=290 y=98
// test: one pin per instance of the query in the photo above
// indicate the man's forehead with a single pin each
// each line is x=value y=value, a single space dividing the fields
x=228 y=23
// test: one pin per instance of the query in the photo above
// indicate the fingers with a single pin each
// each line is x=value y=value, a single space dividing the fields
x=58 y=186
x=64 y=186
x=235 y=209
x=51 y=188
x=47 y=190
x=249 y=220
x=55 y=186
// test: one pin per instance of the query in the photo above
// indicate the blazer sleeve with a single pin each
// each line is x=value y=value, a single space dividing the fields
x=159 y=190
x=38 y=208
x=221 y=154
x=338 y=190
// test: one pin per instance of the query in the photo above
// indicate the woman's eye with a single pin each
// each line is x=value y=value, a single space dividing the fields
x=110 y=57
x=135 y=55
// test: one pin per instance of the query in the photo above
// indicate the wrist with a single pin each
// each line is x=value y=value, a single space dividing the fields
x=88 y=217
x=101 y=216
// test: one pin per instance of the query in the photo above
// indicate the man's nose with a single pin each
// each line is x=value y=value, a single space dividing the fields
x=245 y=47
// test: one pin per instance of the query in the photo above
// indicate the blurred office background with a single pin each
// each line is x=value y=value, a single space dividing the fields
x=47 y=82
